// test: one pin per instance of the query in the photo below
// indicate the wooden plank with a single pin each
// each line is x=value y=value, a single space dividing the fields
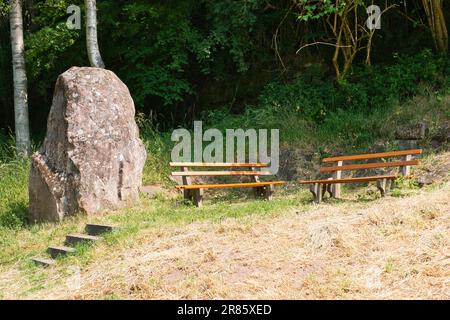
x=218 y=164
x=370 y=166
x=232 y=185
x=349 y=180
x=43 y=261
x=374 y=155
x=220 y=173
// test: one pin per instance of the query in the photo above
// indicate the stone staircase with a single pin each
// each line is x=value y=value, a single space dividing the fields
x=92 y=235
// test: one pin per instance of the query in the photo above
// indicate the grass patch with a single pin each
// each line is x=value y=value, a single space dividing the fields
x=14 y=193
x=158 y=146
x=20 y=245
x=17 y=246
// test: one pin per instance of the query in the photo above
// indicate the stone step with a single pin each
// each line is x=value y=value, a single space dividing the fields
x=98 y=229
x=43 y=261
x=74 y=239
x=59 y=251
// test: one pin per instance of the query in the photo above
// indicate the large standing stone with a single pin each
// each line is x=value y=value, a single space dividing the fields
x=92 y=157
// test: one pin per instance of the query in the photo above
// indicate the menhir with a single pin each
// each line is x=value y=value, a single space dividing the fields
x=92 y=158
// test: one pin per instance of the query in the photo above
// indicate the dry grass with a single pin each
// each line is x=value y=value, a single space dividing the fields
x=391 y=248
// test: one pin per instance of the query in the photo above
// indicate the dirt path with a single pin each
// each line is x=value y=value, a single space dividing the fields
x=388 y=248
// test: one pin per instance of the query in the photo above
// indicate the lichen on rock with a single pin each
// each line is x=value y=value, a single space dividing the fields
x=92 y=157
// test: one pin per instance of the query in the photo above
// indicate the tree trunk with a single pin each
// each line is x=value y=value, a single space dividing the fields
x=22 y=128
x=436 y=20
x=95 y=58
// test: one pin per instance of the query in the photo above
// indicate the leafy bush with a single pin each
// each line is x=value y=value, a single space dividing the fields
x=351 y=113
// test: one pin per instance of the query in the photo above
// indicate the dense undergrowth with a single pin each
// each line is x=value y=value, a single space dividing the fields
x=351 y=114
x=311 y=112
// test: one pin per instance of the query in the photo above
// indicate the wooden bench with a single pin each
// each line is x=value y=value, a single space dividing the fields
x=194 y=192
x=333 y=185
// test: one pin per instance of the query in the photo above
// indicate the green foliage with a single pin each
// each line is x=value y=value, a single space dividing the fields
x=351 y=113
x=173 y=54
x=46 y=47
x=156 y=54
x=50 y=48
x=167 y=45
x=3 y=8
x=231 y=18
x=406 y=183
x=7 y=148
x=158 y=148
x=310 y=100
x=403 y=187
x=313 y=10
x=402 y=79
x=14 y=172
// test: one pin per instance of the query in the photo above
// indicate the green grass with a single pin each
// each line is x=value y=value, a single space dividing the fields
x=158 y=145
x=17 y=246
x=14 y=193
x=26 y=242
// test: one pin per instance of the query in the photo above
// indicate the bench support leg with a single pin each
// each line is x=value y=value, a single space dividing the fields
x=382 y=186
x=328 y=188
x=389 y=184
x=317 y=191
x=187 y=194
x=406 y=170
x=198 y=197
x=259 y=191
x=268 y=192
x=336 y=188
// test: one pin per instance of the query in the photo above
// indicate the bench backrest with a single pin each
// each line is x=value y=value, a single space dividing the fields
x=250 y=166
x=404 y=163
x=252 y=169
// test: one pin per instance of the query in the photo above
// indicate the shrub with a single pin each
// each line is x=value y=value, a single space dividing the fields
x=350 y=113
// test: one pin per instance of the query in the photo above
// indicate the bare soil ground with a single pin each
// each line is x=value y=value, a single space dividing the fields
x=390 y=248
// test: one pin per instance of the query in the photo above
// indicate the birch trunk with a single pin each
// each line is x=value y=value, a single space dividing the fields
x=22 y=128
x=436 y=20
x=95 y=58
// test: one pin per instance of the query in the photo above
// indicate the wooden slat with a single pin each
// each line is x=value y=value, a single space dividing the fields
x=374 y=155
x=231 y=185
x=220 y=173
x=370 y=166
x=347 y=180
x=218 y=164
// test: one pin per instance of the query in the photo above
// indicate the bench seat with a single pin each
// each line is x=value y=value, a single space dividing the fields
x=230 y=185
x=350 y=180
